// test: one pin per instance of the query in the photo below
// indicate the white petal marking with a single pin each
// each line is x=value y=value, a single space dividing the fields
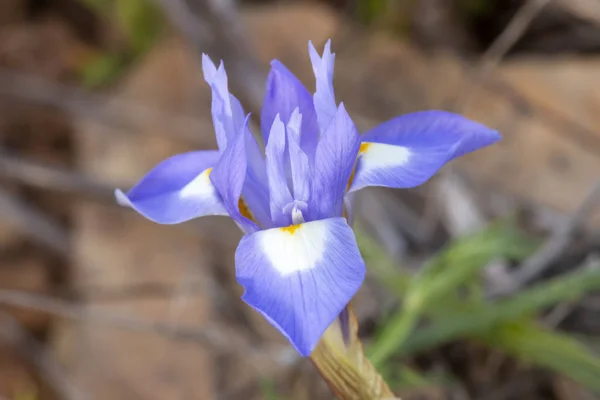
x=375 y=156
x=201 y=187
x=295 y=248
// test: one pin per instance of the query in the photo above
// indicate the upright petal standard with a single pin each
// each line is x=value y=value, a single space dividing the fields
x=298 y=261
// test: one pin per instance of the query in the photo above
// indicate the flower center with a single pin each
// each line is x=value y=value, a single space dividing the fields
x=296 y=209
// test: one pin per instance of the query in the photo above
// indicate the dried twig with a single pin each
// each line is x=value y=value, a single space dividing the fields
x=51 y=178
x=584 y=9
x=209 y=334
x=461 y=213
x=554 y=247
x=114 y=112
x=13 y=333
x=500 y=47
x=216 y=28
x=33 y=222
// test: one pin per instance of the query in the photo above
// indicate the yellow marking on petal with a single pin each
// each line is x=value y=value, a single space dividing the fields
x=290 y=229
x=207 y=171
x=351 y=177
x=244 y=210
x=364 y=146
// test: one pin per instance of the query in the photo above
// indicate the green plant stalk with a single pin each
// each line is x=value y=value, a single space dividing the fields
x=340 y=359
x=435 y=286
x=468 y=319
x=401 y=325
x=531 y=343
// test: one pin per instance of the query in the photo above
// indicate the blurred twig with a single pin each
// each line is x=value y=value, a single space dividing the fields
x=208 y=335
x=584 y=9
x=461 y=213
x=115 y=112
x=13 y=333
x=51 y=178
x=214 y=26
x=554 y=247
x=33 y=222
x=500 y=47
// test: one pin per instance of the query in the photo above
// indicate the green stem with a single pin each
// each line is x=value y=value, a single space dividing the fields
x=397 y=331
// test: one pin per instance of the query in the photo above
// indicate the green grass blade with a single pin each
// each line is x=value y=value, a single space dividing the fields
x=555 y=351
x=463 y=320
x=442 y=276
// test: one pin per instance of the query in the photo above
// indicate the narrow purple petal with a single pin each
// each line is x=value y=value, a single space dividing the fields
x=229 y=176
x=285 y=93
x=300 y=278
x=299 y=163
x=227 y=113
x=176 y=190
x=324 y=98
x=256 y=189
x=408 y=150
x=279 y=191
x=334 y=161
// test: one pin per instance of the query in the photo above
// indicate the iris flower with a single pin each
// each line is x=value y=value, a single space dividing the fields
x=298 y=260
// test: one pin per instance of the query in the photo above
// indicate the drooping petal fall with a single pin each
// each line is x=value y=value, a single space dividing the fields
x=334 y=162
x=177 y=190
x=284 y=93
x=300 y=277
x=408 y=150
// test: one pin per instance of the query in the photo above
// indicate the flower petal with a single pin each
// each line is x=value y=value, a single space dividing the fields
x=299 y=164
x=176 y=190
x=324 y=98
x=285 y=93
x=334 y=161
x=229 y=176
x=406 y=151
x=300 y=277
x=279 y=190
x=256 y=189
x=227 y=112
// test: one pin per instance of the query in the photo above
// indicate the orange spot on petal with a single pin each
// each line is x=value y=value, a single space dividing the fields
x=291 y=229
x=244 y=210
x=351 y=178
x=364 y=147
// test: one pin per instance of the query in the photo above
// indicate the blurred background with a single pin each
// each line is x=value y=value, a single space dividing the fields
x=501 y=247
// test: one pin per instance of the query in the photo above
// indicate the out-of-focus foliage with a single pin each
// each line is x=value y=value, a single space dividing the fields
x=269 y=390
x=27 y=394
x=447 y=296
x=532 y=343
x=139 y=21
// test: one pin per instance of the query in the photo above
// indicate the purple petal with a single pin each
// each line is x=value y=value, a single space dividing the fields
x=408 y=150
x=279 y=191
x=176 y=190
x=324 y=98
x=284 y=94
x=227 y=113
x=334 y=161
x=301 y=277
x=229 y=176
x=256 y=189
x=299 y=164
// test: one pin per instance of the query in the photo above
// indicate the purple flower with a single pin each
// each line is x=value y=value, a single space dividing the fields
x=298 y=261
